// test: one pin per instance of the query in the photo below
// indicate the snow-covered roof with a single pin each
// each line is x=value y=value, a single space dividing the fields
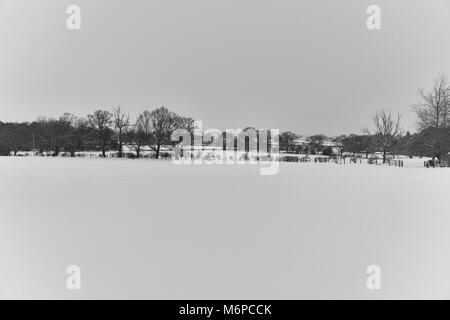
x=331 y=144
x=300 y=141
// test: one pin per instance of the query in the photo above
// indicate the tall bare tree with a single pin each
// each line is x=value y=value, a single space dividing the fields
x=433 y=111
x=139 y=134
x=433 y=108
x=100 y=121
x=159 y=124
x=121 y=122
x=387 y=131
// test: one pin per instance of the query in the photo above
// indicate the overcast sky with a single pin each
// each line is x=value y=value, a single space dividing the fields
x=306 y=66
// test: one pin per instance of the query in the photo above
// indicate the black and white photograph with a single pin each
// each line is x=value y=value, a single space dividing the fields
x=230 y=150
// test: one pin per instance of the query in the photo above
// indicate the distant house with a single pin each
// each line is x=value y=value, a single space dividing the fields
x=301 y=141
x=334 y=146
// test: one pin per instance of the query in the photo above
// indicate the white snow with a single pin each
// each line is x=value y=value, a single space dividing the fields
x=151 y=229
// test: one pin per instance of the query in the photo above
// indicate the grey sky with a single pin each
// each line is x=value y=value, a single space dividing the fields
x=306 y=66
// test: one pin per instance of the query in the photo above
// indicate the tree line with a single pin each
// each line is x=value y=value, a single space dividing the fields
x=105 y=130
x=102 y=130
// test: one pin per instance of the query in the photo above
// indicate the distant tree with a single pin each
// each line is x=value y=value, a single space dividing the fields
x=403 y=145
x=430 y=143
x=159 y=125
x=354 y=143
x=65 y=132
x=287 y=141
x=15 y=137
x=81 y=137
x=52 y=134
x=100 y=121
x=316 y=142
x=433 y=108
x=433 y=111
x=138 y=135
x=387 y=131
x=66 y=120
x=46 y=135
x=121 y=122
x=144 y=128
x=368 y=145
x=187 y=123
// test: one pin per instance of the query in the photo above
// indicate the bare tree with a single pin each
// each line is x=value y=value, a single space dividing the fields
x=67 y=118
x=144 y=125
x=138 y=134
x=100 y=121
x=121 y=122
x=428 y=143
x=159 y=124
x=352 y=143
x=187 y=123
x=433 y=110
x=287 y=141
x=66 y=129
x=387 y=131
x=316 y=142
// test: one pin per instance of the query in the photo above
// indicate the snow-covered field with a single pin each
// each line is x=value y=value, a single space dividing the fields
x=150 y=229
